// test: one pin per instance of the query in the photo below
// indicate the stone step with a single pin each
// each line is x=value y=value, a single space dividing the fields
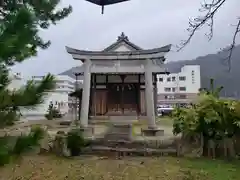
x=132 y=151
x=116 y=137
x=120 y=131
x=123 y=119
x=163 y=144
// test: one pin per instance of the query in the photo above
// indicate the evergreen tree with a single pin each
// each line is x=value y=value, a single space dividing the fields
x=20 y=22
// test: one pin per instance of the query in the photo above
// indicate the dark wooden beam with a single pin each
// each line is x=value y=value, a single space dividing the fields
x=107 y=100
x=139 y=95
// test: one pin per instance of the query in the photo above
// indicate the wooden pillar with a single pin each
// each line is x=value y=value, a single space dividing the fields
x=90 y=111
x=155 y=94
x=95 y=95
x=107 y=100
x=122 y=89
x=139 y=95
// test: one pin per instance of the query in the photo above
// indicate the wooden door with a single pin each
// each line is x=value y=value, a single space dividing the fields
x=100 y=102
x=114 y=99
x=129 y=98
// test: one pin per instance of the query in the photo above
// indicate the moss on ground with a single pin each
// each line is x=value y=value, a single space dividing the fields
x=89 y=168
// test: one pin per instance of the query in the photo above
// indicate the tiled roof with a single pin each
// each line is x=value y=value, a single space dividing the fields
x=136 y=52
x=122 y=39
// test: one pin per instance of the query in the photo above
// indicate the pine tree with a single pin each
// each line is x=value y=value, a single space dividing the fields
x=20 y=22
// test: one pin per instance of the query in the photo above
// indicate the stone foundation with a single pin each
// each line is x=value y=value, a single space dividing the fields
x=87 y=131
x=119 y=132
x=152 y=132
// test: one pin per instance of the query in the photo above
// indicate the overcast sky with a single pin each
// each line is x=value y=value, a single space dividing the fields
x=147 y=23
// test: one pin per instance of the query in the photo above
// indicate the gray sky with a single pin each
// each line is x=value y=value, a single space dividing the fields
x=147 y=23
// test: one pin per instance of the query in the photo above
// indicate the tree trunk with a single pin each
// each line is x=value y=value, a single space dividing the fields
x=229 y=150
x=201 y=144
x=204 y=146
x=211 y=146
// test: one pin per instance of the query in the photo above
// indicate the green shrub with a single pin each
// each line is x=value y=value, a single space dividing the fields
x=25 y=143
x=36 y=134
x=5 y=155
x=52 y=112
x=75 y=142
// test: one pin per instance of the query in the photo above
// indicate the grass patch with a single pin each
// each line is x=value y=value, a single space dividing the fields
x=166 y=121
x=214 y=169
x=51 y=167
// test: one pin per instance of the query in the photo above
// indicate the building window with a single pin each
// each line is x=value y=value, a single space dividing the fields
x=173 y=78
x=168 y=79
x=193 y=80
x=182 y=96
x=160 y=79
x=182 y=88
x=182 y=78
x=173 y=89
x=169 y=97
x=167 y=89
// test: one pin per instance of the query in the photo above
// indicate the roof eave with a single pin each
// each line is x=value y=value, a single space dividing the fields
x=166 y=48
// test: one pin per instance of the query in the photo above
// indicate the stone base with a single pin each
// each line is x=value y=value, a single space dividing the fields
x=152 y=132
x=116 y=132
x=87 y=131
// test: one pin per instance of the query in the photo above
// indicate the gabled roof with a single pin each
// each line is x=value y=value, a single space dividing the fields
x=119 y=53
x=129 y=51
x=122 y=40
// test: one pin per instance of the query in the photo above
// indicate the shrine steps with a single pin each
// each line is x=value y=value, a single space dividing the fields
x=118 y=141
x=131 y=148
x=121 y=152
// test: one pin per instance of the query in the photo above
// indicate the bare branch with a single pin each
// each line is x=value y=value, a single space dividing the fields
x=195 y=24
x=233 y=44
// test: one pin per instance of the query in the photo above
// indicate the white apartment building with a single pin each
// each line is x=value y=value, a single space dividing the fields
x=16 y=81
x=58 y=97
x=181 y=87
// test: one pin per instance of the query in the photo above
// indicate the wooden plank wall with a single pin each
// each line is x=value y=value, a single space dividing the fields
x=99 y=104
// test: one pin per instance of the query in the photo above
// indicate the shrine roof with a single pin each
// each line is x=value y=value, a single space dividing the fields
x=122 y=39
x=136 y=52
x=130 y=51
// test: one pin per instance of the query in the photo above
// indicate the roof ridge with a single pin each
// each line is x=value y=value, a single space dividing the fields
x=122 y=39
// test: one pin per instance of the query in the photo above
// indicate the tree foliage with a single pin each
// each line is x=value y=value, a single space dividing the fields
x=20 y=22
x=211 y=117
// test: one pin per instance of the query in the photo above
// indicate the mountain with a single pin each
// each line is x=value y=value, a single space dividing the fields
x=212 y=66
x=215 y=66
x=72 y=71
